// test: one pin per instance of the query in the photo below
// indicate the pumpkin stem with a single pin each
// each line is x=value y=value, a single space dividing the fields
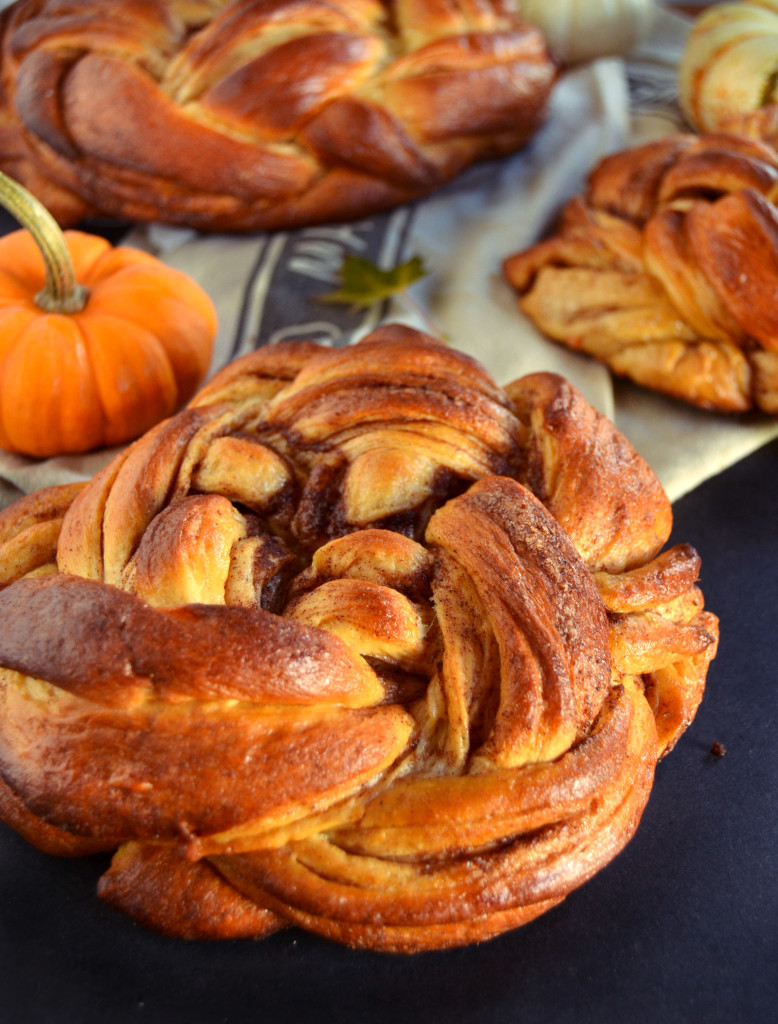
x=61 y=293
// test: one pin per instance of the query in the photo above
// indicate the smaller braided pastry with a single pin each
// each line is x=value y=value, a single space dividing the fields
x=358 y=641
x=666 y=269
x=238 y=115
x=727 y=71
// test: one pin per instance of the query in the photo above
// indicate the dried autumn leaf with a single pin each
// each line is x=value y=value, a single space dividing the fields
x=362 y=283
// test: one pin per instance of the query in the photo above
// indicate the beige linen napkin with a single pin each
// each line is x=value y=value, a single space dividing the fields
x=268 y=287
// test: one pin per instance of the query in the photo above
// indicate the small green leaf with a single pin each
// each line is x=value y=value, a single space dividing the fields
x=362 y=283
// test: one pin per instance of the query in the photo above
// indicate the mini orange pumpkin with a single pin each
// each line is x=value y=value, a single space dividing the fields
x=96 y=343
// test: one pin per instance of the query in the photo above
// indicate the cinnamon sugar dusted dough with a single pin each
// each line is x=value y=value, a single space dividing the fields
x=236 y=115
x=359 y=642
x=666 y=269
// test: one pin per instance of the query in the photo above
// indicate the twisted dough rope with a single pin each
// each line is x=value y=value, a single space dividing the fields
x=665 y=270
x=239 y=115
x=358 y=641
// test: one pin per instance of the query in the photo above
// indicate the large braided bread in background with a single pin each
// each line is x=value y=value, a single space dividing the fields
x=358 y=641
x=666 y=269
x=247 y=114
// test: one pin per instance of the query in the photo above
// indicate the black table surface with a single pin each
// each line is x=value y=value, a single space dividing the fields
x=681 y=927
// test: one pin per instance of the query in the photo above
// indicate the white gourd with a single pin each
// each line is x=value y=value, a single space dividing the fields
x=730 y=63
x=579 y=30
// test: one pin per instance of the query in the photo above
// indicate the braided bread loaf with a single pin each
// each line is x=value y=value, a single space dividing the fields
x=358 y=641
x=666 y=269
x=239 y=115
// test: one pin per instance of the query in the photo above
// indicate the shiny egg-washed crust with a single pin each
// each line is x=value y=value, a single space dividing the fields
x=358 y=641
x=240 y=115
x=666 y=269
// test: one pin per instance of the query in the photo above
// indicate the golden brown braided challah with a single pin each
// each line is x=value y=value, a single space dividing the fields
x=666 y=269
x=358 y=641
x=246 y=114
